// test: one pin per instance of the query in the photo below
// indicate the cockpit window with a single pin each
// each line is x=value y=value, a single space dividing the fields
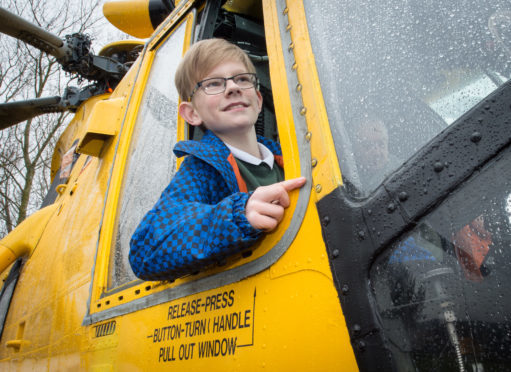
x=151 y=162
x=442 y=290
x=396 y=73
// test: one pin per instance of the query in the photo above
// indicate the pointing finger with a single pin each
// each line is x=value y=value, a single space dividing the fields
x=293 y=183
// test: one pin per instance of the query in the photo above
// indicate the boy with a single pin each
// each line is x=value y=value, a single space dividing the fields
x=209 y=212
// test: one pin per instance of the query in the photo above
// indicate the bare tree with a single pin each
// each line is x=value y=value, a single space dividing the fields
x=25 y=72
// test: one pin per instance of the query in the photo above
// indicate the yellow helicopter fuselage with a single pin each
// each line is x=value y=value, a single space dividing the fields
x=368 y=264
x=279 y=317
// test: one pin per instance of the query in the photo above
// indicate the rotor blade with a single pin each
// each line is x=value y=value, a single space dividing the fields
x=17 y=27
x=12 y=113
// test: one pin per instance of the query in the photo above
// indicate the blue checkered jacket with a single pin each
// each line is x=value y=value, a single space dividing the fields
x=199 y=219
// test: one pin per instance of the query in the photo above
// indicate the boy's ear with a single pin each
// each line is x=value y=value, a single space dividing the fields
x=259 y=99
x=187 y=112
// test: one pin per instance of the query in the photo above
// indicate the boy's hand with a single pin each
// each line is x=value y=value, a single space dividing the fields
x=265 y=208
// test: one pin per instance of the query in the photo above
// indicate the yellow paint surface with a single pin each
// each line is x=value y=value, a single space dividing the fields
x=284 y=318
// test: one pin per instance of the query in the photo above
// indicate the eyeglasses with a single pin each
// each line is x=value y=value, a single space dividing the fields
x=217 y=85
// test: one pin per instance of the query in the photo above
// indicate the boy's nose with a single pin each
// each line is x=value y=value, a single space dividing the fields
x=231 y=86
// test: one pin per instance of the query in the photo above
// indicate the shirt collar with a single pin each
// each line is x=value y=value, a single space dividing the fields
x=266 y=154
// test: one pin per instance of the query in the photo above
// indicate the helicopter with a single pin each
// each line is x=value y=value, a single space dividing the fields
x=396 y=254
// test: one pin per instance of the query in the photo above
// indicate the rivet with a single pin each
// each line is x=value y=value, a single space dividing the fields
x=299 y=87
x=345 y=289
x=314 y=162
x=318 y=188
x=403 y=196
x=391 y=207
x=361 y=345
x=308 y=136
x=335 y=253
x=291 y=46
x=303 y=111
x=286 y=10
x=295 y=66
x=326 y=220
x=288 y=27
x=476 y=137
x=438 y=167
x=356 y=329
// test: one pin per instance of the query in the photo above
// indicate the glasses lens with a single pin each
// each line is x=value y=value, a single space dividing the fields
x=213 y=86
x=244 y=80
x=217 y=85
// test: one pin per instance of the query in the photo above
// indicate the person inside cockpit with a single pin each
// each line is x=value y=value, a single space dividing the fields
x=371 y=150
x=230 y=189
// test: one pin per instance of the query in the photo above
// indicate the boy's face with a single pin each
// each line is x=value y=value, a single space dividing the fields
x=234 y=110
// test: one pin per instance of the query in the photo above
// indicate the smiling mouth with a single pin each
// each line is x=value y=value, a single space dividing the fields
x=235 y=106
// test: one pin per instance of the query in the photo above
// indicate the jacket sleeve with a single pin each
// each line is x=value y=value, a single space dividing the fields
x=194 y=224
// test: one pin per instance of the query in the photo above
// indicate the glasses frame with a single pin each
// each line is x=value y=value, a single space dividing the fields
x=200 y=84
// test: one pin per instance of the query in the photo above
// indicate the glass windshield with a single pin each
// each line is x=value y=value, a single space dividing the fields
x=442 y=290
x=396 y=73
x=151 y=162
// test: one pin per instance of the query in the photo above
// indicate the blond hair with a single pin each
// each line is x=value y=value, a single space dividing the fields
x=201 y=58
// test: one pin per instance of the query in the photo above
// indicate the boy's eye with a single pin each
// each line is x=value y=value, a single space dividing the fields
x=242 y=79
x=214 y=83
x=245 y=80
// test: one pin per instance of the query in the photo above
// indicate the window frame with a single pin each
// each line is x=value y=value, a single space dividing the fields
x=137 y=295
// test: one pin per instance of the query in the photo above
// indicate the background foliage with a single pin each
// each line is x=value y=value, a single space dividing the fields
x=25 y=72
